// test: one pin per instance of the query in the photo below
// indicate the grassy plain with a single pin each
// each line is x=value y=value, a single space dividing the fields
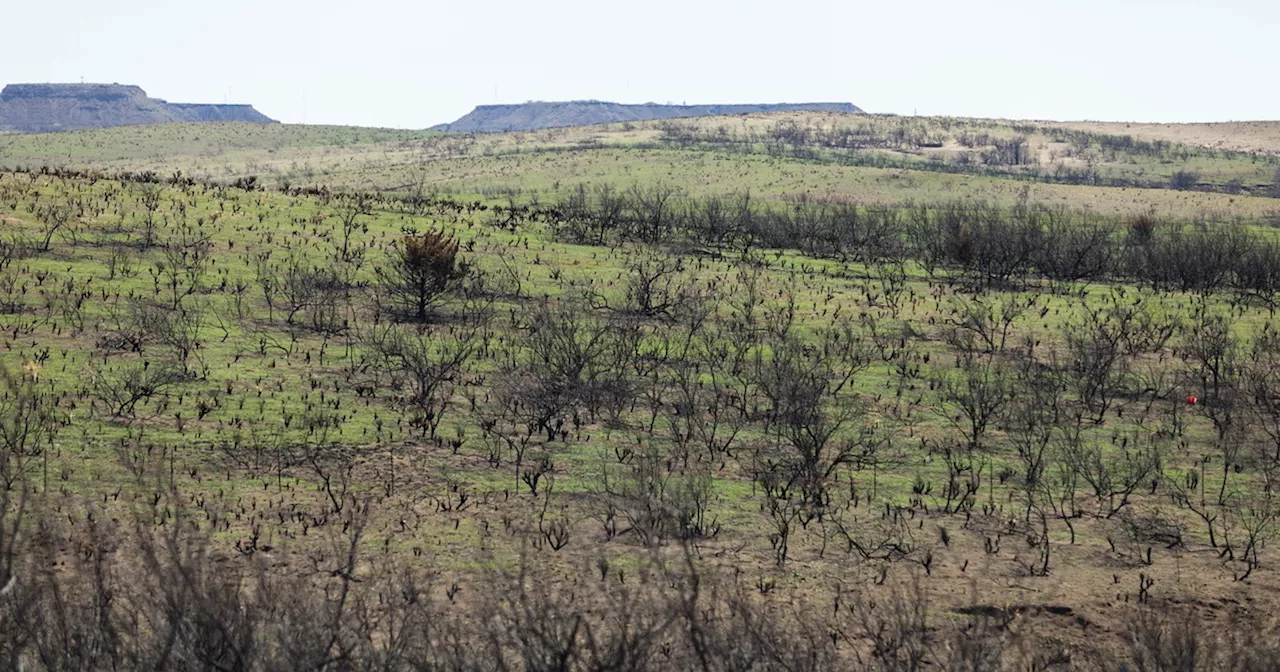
x=284 y=414
x=792 y=153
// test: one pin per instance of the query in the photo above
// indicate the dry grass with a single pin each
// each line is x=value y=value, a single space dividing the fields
x=1241 y=136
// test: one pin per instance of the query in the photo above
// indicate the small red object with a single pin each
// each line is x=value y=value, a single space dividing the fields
x=1192 y=399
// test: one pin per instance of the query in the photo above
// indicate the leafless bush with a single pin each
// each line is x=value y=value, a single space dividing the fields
x=1075 y=251
x=122 y=389
x=430 y=364
x=314 y=293
x=654 y=500
x=1101 y=348
x=654 y=214
x=28 y=423
x=187 y=251
x=54 y=218
x=1113 y=472
x=655 y=285
x=593 y=215
x=983 y=324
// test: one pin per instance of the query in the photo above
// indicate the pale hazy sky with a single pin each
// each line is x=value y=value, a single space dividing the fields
x=413 y=64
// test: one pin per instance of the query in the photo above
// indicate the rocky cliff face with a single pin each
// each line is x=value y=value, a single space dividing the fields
x=41 y=108
x=533 y=116
x=204 y=112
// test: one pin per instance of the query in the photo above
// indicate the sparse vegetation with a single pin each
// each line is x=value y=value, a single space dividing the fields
x=639 y=419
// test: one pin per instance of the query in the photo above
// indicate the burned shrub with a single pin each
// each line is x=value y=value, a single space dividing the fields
x=421 y=271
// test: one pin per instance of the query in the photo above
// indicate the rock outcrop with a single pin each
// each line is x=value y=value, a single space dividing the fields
x=42 y=108
x=533 y=116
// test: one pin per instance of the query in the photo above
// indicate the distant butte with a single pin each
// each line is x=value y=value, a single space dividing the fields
x=42 y=108
x=537 y=115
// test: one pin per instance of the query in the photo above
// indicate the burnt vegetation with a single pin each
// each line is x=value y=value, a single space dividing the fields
x=245 y=428
x=1021 y=151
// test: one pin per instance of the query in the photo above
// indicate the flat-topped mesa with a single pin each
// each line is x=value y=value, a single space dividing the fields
x=537 y=115
x=230 y=112
x=104 y=92
x=42 y=108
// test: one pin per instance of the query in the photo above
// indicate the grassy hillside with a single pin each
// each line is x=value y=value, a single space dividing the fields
x=872 y=159
x=1242 y=136
x=723 y=389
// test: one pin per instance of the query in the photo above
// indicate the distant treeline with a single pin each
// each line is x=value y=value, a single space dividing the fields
x=1007 y=157
x=985 y=243
x=980 y=242
x=420 y=203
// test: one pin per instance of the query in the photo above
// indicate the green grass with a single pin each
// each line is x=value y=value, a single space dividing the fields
x=267 y=388
x=258 y=376
x=551 y=161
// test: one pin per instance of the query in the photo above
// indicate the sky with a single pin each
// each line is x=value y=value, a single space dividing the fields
x=412 y=64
